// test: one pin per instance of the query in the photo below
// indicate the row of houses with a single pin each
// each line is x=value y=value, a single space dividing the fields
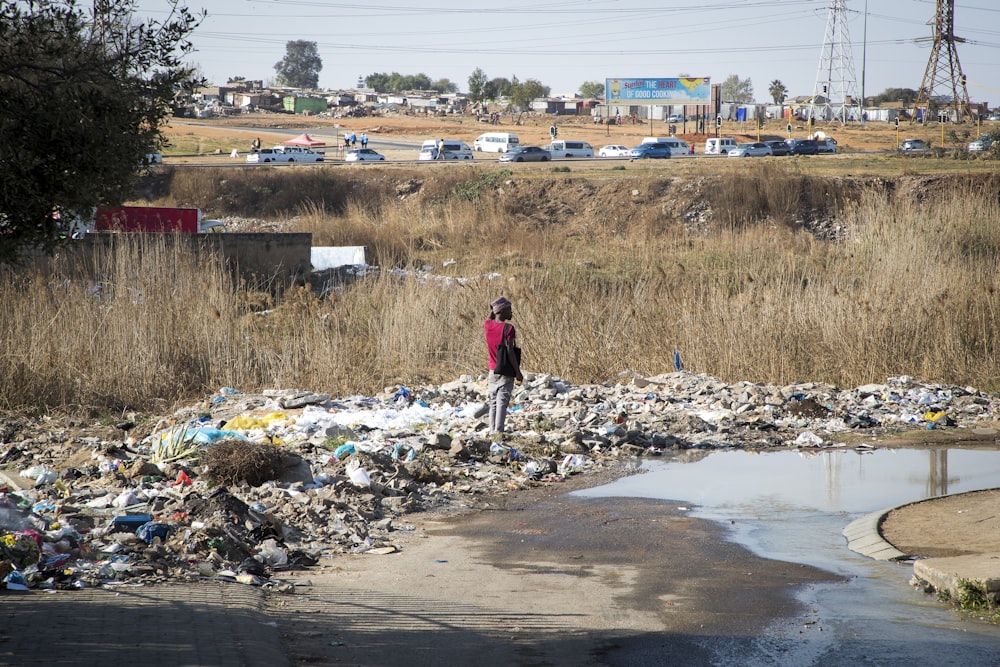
x=240 y=95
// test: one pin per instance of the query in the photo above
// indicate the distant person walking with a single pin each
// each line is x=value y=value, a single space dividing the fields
x=440 y=154
x=500 y=385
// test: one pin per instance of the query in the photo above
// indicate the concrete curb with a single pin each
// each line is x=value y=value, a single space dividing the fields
x=863 y=537
x=951 y=575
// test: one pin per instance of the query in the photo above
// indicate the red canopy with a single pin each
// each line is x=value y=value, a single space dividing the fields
x=303 y=140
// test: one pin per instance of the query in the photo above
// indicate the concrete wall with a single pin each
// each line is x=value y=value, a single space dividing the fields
x=265 y=260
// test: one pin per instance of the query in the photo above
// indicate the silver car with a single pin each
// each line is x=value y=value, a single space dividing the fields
x=755 y=149
x=981 y=144
x=526 y=154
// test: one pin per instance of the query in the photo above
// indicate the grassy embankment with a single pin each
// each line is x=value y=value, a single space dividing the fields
x=912 y=290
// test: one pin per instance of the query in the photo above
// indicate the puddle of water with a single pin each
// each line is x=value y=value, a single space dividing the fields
x=792 y=506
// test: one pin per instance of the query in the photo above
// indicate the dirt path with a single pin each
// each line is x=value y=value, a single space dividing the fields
x=542 y=581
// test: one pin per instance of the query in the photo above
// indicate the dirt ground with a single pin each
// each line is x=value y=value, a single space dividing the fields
x=535 y=130
x=541 y=578
x=958 y=525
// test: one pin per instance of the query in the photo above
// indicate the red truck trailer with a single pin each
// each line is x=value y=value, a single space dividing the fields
x=151 y=219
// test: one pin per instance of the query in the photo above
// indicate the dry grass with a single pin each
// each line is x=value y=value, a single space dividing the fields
x=913 y=290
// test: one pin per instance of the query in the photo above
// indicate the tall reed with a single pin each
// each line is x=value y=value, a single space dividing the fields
x=912 y=289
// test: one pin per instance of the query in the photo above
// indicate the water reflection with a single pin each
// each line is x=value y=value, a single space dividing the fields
x=792 y=506
x=839 y=481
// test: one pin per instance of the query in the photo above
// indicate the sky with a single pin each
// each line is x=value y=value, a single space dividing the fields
x=564 y=43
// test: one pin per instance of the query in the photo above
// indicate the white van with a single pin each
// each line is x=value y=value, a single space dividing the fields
x=720 y=146
x=495 y=142
x=677 y=147
x=561 y=149
x=453 y=150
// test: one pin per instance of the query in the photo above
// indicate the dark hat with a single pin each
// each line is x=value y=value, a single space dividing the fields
x=500 y=305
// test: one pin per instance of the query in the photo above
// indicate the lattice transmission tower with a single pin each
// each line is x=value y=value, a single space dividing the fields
x=943 y=69
x=836 y=84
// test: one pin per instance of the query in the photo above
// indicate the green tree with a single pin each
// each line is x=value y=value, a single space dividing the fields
x=82 y=101
x=777 y=91
x=301 y=65
x=444 y=86
x=592 y=89
x=522 y=94
x=500 y=87
x=379 y=82
x=477 y=86
x=735 y=89
x=905 y=95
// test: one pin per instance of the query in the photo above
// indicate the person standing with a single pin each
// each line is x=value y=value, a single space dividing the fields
x=499 y=387
x=364 y=140
x=255 y=145
x=440 y=153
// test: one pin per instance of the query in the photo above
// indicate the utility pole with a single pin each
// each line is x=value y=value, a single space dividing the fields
x=835 y=78
x=943 y=68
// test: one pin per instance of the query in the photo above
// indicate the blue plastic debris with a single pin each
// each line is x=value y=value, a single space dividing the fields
x=346 y=448
x=398 y=450
x=148 y=532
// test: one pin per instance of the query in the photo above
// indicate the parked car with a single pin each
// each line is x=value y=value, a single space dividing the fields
x=914 y=146
x=777 y=146
x=827 y=145
x=674 y=118
x=362 y=155
x=755 y=149
x=526 y=154
x=981 y=144
x=802 y=146
x=643 y=151
x=613 y=150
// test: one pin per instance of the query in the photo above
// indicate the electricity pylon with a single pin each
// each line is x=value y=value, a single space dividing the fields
x=836 y=82
x=943 y=68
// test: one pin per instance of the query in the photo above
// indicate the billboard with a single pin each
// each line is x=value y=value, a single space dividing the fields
x=688 y=90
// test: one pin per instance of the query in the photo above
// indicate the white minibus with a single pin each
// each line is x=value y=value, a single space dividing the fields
x=495 y=142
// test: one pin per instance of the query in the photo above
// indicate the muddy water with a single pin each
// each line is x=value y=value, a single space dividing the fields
x=792 y=506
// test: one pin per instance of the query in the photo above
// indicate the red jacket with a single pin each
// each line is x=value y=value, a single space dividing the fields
x=494 y=332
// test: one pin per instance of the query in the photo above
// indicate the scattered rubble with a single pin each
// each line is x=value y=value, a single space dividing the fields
x=247 y=487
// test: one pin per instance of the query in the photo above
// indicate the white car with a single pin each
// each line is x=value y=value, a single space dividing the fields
x=613 y=150
x=362 y=155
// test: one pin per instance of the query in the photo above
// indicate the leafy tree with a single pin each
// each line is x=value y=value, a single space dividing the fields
x=735 y=89
x=592 y=89
x=444 y=86
x=82 y=102
x=477 y=86
x=301 y=65
x=379 y=82
x=522 y=94
x=777 y=91
x=906 y=95
x=500 y=87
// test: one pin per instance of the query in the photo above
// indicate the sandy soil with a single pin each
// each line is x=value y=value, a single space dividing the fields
x=963 y=524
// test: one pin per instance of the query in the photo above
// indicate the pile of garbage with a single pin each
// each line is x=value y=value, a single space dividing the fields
x=249 y=487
